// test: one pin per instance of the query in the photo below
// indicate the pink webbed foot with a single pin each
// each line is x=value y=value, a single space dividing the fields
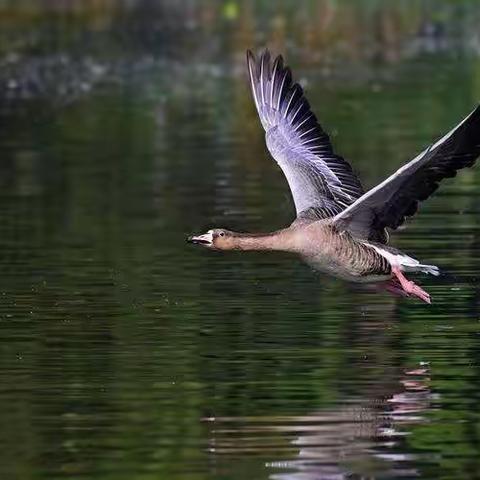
x=393 y=286
x=409 y=287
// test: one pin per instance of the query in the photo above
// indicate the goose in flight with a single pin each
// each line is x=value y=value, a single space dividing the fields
x=340 y=229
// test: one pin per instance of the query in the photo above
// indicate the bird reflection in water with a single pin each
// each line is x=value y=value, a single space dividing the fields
x=360 y=439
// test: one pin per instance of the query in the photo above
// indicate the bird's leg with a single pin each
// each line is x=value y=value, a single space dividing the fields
x=410 y=287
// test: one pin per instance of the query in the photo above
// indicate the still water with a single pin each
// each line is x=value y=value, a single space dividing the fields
x=126 y=353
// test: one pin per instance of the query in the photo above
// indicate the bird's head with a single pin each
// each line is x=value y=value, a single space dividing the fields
x=215 y=239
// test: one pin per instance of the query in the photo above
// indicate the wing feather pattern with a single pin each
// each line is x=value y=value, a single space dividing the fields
x=390 y=202
x=322 y=183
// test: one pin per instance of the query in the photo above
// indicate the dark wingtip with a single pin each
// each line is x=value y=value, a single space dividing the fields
x=251 y=64
x=278 y=63
x=265 y=57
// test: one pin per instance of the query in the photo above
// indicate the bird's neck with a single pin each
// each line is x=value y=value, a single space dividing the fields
x=281 y=240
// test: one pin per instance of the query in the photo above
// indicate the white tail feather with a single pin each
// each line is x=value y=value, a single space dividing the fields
x=406 y=263
x=431 y=269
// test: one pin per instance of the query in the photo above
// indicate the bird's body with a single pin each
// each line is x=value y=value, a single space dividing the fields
x=340 y=229
x=329 y=250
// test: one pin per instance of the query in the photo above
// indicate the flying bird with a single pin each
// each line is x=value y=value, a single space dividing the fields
x=339 y=228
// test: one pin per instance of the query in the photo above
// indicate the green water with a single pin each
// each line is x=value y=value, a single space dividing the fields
x=127 y=353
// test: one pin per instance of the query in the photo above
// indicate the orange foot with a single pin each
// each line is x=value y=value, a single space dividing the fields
x=409 y=287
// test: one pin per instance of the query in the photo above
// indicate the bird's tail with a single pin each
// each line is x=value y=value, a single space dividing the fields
x=430 y=269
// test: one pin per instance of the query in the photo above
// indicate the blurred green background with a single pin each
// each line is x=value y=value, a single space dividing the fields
x=125 y=352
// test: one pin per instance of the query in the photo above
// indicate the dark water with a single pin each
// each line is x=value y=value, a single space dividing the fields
x=126 y=353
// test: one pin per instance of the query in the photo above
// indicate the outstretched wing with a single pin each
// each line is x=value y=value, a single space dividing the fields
x=322 y=183
x=398 y=196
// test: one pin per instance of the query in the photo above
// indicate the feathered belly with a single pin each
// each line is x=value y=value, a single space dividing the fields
x=342 y=256
x=346 y=272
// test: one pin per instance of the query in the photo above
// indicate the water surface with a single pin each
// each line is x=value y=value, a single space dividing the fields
x=127 y=353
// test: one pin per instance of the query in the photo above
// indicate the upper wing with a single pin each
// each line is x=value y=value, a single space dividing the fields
x=322 y=183
x=398 y=196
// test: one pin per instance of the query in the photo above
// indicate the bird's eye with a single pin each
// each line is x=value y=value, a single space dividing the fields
x=222 y=234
